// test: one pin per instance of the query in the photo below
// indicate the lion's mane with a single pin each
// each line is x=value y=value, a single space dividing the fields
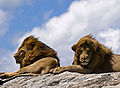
x=100 y=51
x=35 y=51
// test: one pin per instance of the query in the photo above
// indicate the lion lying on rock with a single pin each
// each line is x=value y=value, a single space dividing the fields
x=34 y=57
x=32 y=50
x=91 y=57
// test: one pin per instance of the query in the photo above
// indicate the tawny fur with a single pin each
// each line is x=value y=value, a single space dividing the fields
x=34 y=57
x=102 y=59
x=34 y=50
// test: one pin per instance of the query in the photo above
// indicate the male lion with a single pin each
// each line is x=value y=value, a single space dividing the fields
x=91 y=57
x=32 y=50
x=34 y=57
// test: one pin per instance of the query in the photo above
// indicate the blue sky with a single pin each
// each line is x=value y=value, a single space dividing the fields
x=21 y=16
x=58 y=23
x=29 y=15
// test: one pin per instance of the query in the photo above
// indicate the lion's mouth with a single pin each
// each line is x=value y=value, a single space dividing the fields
x=18 y=60
x=84 y=63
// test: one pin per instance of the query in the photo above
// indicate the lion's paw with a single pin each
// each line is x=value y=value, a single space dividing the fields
x=4 y=75
x=57 y=70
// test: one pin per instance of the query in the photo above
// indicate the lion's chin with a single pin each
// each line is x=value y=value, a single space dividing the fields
x=85 y=63
x=17 y=61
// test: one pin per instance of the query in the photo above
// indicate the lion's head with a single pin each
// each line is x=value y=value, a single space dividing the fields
x=89 y=52
x=84 y=53
x=32 y=50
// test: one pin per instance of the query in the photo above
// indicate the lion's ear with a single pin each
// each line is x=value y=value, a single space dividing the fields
x=73 y=47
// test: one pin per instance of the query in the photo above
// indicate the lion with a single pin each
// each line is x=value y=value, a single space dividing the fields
x=32 y=50
x=35 y=58
x=90 y=56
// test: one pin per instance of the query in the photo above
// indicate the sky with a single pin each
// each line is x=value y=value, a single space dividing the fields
x=57 y=23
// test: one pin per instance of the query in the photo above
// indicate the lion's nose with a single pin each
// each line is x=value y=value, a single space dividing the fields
x=15 y=56
x=85 y=57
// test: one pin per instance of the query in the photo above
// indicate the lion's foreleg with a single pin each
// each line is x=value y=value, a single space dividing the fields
x=73 y=68
x=46 y=70
x=8 y=75
x=21 y=72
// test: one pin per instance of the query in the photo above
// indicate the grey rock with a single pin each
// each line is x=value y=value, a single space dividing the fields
x=66 y=80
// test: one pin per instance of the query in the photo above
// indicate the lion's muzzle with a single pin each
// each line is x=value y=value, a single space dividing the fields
x=84 y=59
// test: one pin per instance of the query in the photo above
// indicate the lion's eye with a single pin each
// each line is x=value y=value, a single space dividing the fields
x=22 y=52
x=79 y=51
x=88 y=50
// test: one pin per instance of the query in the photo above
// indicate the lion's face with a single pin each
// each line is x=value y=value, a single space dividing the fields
x=84 y=54
x=23 y=49
x=19 y=55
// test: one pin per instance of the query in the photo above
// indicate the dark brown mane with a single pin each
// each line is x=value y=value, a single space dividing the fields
x=90 y=56
x=37 y=49
x=100 y=51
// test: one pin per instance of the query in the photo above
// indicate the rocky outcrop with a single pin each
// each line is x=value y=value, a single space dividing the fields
x=66 y=80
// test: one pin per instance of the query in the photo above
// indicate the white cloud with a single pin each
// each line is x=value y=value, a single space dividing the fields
x=82 y=17
x=112 y=39
x=7 y=62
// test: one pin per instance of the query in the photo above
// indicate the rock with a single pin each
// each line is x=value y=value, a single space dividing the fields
x=66 y=80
